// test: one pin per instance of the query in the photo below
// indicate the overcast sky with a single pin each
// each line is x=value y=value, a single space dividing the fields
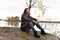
x=16 y=7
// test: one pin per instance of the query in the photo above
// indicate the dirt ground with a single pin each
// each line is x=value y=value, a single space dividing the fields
x=7 y=33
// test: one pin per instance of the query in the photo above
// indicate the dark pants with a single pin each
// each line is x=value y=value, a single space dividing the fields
x=30 y=25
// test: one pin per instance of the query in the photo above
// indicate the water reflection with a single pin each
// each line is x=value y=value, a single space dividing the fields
x=13 y=21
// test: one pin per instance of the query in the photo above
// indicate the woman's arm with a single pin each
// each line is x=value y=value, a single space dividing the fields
x=25 y=18
x=33 y=18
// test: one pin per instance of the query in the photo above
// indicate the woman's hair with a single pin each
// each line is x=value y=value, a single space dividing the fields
x=25 y=11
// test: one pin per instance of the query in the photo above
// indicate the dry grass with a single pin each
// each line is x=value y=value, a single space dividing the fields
x=15 y=34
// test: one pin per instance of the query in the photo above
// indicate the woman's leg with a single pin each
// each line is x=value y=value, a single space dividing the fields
x=42 y=30
x=27 y=27
x=30 y=24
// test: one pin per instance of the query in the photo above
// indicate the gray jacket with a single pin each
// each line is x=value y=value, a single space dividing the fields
x=25 y=20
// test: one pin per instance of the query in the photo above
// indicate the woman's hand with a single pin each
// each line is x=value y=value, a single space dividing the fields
x=38 y=21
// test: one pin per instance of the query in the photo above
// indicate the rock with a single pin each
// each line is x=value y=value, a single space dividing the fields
x=16 y=34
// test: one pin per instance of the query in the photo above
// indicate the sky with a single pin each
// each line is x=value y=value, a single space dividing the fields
x=53 y=7
x=10 y=8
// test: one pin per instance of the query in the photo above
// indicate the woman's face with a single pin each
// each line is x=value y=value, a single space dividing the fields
x=28 y=11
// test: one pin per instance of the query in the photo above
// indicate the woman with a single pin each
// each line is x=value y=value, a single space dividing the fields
x=28 y=22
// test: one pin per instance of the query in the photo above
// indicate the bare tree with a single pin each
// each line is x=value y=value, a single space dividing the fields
x=41 y=7
x=31 y=3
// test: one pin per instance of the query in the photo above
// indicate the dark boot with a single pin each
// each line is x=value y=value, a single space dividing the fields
x=43 y=32
x=36 y=35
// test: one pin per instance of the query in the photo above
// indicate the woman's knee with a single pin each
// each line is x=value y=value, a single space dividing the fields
x=30 y=23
